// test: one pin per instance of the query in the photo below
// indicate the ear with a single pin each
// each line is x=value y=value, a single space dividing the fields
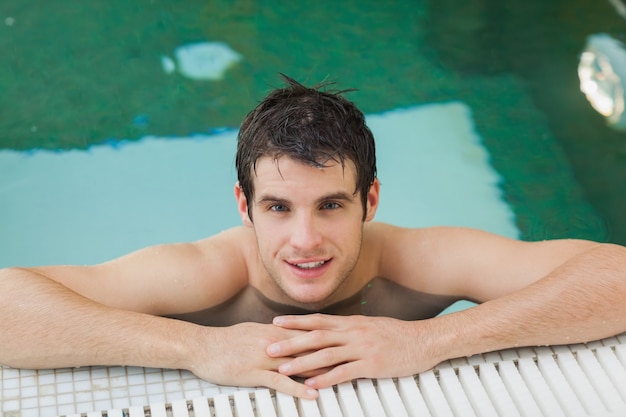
x=373 y=196
x=242 y=205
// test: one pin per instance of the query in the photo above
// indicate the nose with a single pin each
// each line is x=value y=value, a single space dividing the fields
x=305 y=234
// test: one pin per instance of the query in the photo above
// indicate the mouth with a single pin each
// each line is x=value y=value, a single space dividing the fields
x=310 y=265
x=309 y=269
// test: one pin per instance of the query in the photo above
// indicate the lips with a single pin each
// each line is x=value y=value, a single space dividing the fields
x=310 y=265
x=309 y=269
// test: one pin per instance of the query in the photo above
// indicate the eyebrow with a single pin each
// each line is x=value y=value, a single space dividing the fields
x=338 y=196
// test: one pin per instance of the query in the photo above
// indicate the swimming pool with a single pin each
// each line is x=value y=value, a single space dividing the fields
x=111 y=79
x=118 y=118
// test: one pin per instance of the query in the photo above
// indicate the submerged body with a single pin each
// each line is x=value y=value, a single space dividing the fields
x=380 y=297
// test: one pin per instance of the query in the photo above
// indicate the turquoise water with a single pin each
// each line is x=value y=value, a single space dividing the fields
x=84 y=207
x=109 y=144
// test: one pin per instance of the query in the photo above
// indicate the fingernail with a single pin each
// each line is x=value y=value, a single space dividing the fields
x=279 y=320
x=284 y=368
x=274 y=349
x=311 y=393
x=310 y=382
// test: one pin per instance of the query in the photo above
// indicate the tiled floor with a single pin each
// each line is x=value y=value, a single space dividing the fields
x=28 y=393
x=586 y=379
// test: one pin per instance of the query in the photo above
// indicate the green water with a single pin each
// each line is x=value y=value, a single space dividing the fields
x=78 y=73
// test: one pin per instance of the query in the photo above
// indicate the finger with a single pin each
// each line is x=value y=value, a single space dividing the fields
x=287 y=385
x=306 y=321
x=337 y=375
x=305 y=343
x=325 y=358
x=316 y=372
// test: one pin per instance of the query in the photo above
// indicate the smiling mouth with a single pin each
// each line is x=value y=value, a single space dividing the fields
x=310 y=265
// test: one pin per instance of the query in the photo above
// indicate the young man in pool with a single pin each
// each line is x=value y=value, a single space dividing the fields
x=234 y=308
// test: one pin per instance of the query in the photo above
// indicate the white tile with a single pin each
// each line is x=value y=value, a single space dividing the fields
x=210 y=391
x=154 y=377
x=136 y=378
x=100 y=383
x=118 y=381
x=28 y=381
x=65 y=409
x=173 y=386
x=47 y=400
x=84 y=407
x=139 y=400
x=99 y=372
x=82 y=385
x=117 y=371
x=136 y=390
x=154 y=389
x=121 y=402
x=157 y=398
x=46 y=378
x=29 y=392
x=10 y=383
x=99 y=395
x=170 y=375
x=65 y=399
x=193 y=393
x=30 y=402
x=82 y=374
x=27 y=372
x=8 y=373
x=65 y=376
x=102 y=405
x=48 y=389
x=65 y=387
x=12 y=405
x=10 y=393
x=190 y=384
x=120 y=393
x=134 y=370
x=33 y=412
x=84 y=396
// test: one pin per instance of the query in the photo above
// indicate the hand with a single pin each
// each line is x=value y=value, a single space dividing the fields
x=341 y=348
x=236 y=355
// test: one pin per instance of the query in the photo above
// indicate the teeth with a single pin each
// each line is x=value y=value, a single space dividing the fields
x=310 y=265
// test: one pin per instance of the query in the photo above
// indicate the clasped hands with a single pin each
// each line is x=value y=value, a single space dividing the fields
x=332 y=349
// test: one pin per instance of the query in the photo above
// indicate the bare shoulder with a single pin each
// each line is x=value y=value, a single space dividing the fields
x=466 y=262
x=237 y=241
x=167 y=278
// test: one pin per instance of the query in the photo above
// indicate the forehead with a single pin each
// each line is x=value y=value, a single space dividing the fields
x=272 y=174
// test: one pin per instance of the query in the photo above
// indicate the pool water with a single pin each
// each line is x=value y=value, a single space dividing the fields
x=118 y=124
x=110 y=141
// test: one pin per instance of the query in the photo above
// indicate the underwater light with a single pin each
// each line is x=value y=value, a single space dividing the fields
x=602 y=74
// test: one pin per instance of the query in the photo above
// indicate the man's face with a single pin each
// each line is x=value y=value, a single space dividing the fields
x=308 y=223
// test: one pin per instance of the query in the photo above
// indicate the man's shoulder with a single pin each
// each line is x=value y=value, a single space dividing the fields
x=236 y=240
x=389 y=243
x=235 y=234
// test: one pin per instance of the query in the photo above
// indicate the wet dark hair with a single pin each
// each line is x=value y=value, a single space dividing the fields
x=310 y=125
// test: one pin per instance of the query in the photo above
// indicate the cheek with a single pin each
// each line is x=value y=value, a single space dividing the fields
x=347 y=235
x=269 y=236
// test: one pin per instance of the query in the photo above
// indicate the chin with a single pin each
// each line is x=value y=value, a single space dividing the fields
x=311 y=300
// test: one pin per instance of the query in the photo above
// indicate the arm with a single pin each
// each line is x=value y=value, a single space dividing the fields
x=547 y=292
x=552 y=292
x=581 y=300
x=106 y=314
x=46 y=325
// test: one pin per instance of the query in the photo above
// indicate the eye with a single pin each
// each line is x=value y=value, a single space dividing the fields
x=331 y=206
x=278 y=208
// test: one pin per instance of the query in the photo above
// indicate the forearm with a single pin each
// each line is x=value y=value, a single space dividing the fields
x=583 y=300
x=45 y=325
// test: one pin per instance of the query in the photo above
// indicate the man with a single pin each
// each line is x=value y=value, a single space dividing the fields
x=234 y=308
